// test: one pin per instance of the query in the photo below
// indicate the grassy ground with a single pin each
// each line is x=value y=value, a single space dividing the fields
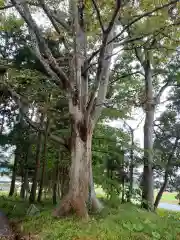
x=123 y=222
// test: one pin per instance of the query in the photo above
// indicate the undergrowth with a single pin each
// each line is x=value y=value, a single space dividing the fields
x=123 y=222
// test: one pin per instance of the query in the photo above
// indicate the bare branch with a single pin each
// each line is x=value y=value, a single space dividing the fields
x=126 y=75
x=98 y=14
x=163 y=88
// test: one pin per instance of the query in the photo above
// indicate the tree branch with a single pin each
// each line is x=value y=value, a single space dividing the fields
x=133 y=22
x=102 y=63
x=6 y=7
x=18 y=99
x=98 y=15
x=26 y=15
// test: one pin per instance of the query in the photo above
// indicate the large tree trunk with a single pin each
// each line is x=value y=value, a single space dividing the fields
x=77 y=197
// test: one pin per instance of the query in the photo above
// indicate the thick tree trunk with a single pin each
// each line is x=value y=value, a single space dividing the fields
x=148 y=183
x=14 y=173
x=81 y=179
x=77 y=195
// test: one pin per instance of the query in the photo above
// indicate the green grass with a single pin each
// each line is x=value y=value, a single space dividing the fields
x=123 y=222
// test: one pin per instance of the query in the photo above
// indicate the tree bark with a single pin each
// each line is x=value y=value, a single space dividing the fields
x=43 y=165
x=32 y=196
x=77 y=196
x=14 y=173
x=55 y=184
x=149 y=107
x=131 y=167
x=148 y=182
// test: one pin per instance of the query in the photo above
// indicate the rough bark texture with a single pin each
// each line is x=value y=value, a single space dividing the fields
x=77 y=195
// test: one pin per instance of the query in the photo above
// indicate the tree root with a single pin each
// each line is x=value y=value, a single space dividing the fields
x=72 y=205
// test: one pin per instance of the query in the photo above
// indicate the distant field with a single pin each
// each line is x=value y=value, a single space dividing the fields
x=168 y=197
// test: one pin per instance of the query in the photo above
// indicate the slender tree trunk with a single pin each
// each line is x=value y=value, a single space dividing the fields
x=148 y=183
x=22 y=191
x=166 y=176
x=149 y=107
x=161 y=191
x=131 y=167
x=14 y=172
x=32 y=196
x=64 y=181
x=55 y=184
x=43 y=166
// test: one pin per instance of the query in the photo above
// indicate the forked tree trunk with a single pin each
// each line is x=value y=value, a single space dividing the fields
x=77 y=197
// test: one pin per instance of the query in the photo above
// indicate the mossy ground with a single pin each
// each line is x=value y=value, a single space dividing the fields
x=123 y=222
